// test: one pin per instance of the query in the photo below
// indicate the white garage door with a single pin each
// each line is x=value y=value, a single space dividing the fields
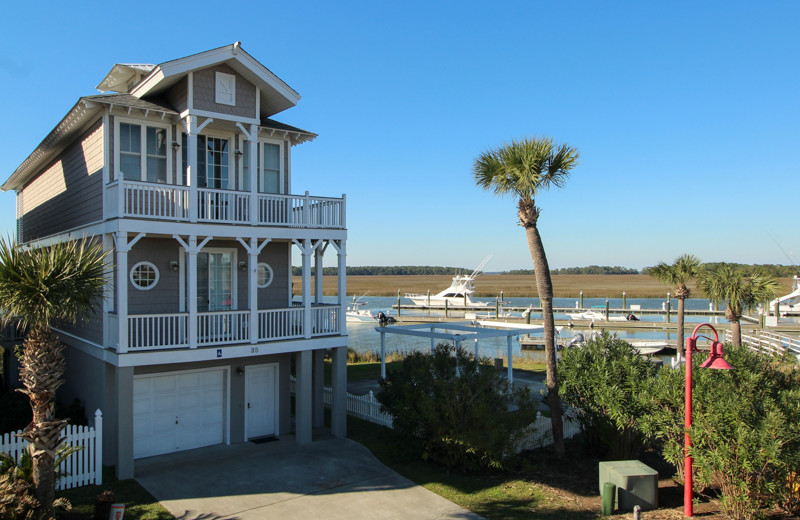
x=178 y=411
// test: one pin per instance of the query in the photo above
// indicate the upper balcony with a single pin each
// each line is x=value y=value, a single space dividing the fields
x=136 y=199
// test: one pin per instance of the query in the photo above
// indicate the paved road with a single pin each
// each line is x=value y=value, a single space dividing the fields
x=330 y=479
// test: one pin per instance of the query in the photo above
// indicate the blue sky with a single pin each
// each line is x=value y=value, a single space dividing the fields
x=686 y=114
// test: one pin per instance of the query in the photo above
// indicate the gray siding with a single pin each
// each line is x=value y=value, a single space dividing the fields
x=165 y=296
x=89 y=328
x=178 y=95
x=205 y=98
x=68 y=192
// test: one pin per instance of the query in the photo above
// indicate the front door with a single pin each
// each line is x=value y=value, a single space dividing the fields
x=261 y=394
x=214 y=281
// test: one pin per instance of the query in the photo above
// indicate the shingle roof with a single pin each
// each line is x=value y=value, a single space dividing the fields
x=271 y=123
x=126 y=100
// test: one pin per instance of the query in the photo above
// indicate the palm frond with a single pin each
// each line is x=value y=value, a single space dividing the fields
x=39 y=285
x=525 y=167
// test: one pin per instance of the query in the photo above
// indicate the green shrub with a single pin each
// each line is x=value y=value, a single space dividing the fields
x=456 y=410
x=745 y=430
x=606 y=383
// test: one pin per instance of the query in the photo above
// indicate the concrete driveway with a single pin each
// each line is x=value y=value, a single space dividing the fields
x=330 y=479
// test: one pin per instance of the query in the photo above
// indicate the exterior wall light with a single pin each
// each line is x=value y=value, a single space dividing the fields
x=173 y=264
x=716 y=361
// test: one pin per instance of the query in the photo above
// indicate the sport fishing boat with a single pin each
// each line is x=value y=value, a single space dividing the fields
x=459 y=294
x=788 y=303
x=596 y=315
x=356 y=314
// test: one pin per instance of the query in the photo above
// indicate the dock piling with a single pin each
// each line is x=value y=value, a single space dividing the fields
x=624 y=301
x=581 y=299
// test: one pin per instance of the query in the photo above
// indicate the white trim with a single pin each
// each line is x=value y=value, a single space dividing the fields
x=190 y=93
x=276 y=395
x=213 y=57
x=280 y=143
x=224 y=117
x=143 y=124
x=187 y=355
x=144 y=263
x=271 y=275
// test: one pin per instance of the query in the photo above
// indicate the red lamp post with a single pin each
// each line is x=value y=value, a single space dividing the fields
x=717 y=361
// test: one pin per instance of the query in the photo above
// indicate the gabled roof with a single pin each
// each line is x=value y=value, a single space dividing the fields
x=276 y=96
x=84 y=113
x=124 y=76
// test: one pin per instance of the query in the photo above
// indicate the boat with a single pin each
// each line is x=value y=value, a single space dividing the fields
x=356 y=314
x=648 y=347
x=594 y=315
x=789 y=303
x=459 y=294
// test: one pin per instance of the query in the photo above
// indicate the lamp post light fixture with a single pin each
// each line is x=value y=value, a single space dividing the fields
x=717 y=361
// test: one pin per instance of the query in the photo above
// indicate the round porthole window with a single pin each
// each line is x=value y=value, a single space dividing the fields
x=144 y=276
x=263 y=275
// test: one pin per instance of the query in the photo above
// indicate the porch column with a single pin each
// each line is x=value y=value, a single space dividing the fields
x=191 y=286
x=318 y=372
x=341 y=276
x=190 y=125
x=302 y=406
x=124 y=426
x=253 y=249
x=122 y=292
x=252 y=142
x=339 y=391
x=318 y=273
x=108 y=293
x=307 y=322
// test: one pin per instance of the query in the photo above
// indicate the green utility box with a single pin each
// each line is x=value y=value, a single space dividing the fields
x=637 y=483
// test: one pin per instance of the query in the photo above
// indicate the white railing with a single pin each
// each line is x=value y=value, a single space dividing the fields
x=144 y=199
x=540 y=433
x=325 y=320
x=232 y=207
x=223 y=327
x=171 y=202
x=276 y=324
x=769 y=342
x=364 y=407
x=156 y=331
x=79 y=469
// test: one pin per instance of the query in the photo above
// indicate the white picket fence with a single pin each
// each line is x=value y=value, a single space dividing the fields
x=79 y=469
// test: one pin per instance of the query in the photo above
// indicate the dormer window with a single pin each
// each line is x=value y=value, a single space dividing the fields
x=225 y=89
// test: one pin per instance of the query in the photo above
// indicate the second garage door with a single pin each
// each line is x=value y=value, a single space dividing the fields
x=178 y=411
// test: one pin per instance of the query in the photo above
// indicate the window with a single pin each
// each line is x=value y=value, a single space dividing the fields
x=153 y=167
x=144 y=276
x=263 y=275
x=212 y=162
x=225 y=89
x=269 y=180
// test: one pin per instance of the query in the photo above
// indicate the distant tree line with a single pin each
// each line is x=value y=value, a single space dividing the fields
x=384 y=270
x=777 y=271
x=592 y=269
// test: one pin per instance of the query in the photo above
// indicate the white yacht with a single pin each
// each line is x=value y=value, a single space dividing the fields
x=790 y=302
x=459 y=294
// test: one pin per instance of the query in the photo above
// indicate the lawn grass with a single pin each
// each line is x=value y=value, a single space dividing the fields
x=139 y=504
x=518 y=494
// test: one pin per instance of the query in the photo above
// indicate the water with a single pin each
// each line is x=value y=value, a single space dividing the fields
x=364 y=338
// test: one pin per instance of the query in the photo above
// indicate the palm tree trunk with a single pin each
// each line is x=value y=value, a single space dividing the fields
x=545 y=288
x=681 y=345
x=41 y=372
x=736 y=332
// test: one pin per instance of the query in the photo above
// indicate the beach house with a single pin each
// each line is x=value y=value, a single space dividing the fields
x=181 y=172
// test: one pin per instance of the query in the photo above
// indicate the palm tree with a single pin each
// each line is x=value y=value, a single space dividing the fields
x=741 y=292
x=41 y=286
x=676 y=276
x=523 y=169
